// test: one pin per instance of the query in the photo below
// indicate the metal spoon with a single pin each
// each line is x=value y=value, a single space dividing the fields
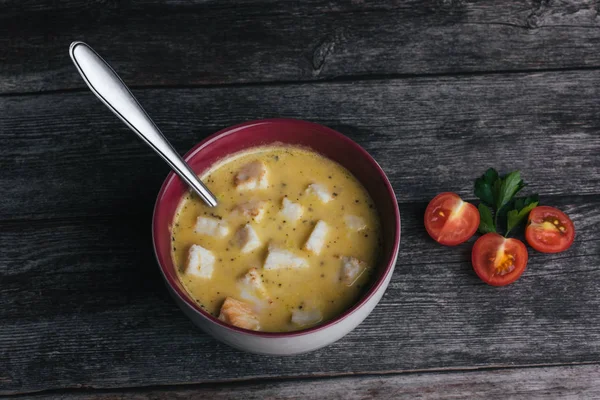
x=110 y=89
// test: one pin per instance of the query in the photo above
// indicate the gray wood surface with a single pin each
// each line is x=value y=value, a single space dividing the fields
x=216 y=42
x=567 y=382
x=437 y=91
x=85 y=300
x=429 y=134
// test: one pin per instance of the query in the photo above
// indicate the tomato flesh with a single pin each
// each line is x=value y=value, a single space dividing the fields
x=549 y=230
x=498 y=261
x=449 y=220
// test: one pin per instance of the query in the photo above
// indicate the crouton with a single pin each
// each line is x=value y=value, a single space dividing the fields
x=279 y=258
x=211 y=227
x=306 y=317
x=320 y=191
x=351 y=269
x=238 y=313
x=291 y=211
x=355 y=223
x=252 y=176
x=200 y=262
x=252 y=287
x=316 y=240
x=247 y=239
x=254 y=209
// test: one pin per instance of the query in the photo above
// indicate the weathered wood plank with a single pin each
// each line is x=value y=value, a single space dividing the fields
x=565 y=382
x=66 y=155
x=84 y=299
x=209 y=42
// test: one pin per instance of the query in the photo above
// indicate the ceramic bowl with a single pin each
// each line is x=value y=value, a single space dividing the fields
x=325 y=141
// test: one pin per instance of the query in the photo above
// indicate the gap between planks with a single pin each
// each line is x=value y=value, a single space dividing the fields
x=339 y=79
x=233 y=383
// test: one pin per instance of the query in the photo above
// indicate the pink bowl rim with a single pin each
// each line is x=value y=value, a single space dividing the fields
x=389 y=262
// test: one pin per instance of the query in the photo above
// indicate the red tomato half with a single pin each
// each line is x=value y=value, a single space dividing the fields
x=449 y=220
x=498 y=261
x=549 y=230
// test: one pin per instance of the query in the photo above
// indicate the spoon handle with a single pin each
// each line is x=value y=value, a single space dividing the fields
x=110 y=89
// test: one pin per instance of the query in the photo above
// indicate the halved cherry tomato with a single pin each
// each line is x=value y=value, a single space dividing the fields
x=549 y=230
x=449 y=220
x=498 y=261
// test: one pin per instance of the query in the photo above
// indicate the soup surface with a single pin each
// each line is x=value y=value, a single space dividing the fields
x=292 y=243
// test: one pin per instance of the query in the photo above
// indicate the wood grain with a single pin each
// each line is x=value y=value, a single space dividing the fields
x=65 y=155
x=566 y=382
x=436 y=91
x=83 y=298
x=203 y=42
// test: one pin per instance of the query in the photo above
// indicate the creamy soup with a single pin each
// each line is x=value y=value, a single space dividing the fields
x=292 y=243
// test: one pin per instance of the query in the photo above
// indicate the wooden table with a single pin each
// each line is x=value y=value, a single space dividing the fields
x=436 y=90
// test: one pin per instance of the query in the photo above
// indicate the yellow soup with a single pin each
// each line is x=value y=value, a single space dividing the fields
x=292 y=243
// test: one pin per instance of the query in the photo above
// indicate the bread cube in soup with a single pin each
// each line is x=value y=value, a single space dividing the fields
x=320 y=191
x=351 y=269
x=211 y=227
x=291 y=211
x=316 y=240
x=355 y=223
x=254 y=209
x=252 y=176
x=238 y=313
x=306 y=317
x=252 y=286
x=247 y=239
x=280 y=258
x=200 y=262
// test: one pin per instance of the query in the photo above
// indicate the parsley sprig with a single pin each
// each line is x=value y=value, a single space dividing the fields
x=499 y=208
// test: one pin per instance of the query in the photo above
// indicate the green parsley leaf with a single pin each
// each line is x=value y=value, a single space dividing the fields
x=521 y=208
x=522 y=202
x=511 y=184
x=486 y=221
x=499 y=208
x=484 y=187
